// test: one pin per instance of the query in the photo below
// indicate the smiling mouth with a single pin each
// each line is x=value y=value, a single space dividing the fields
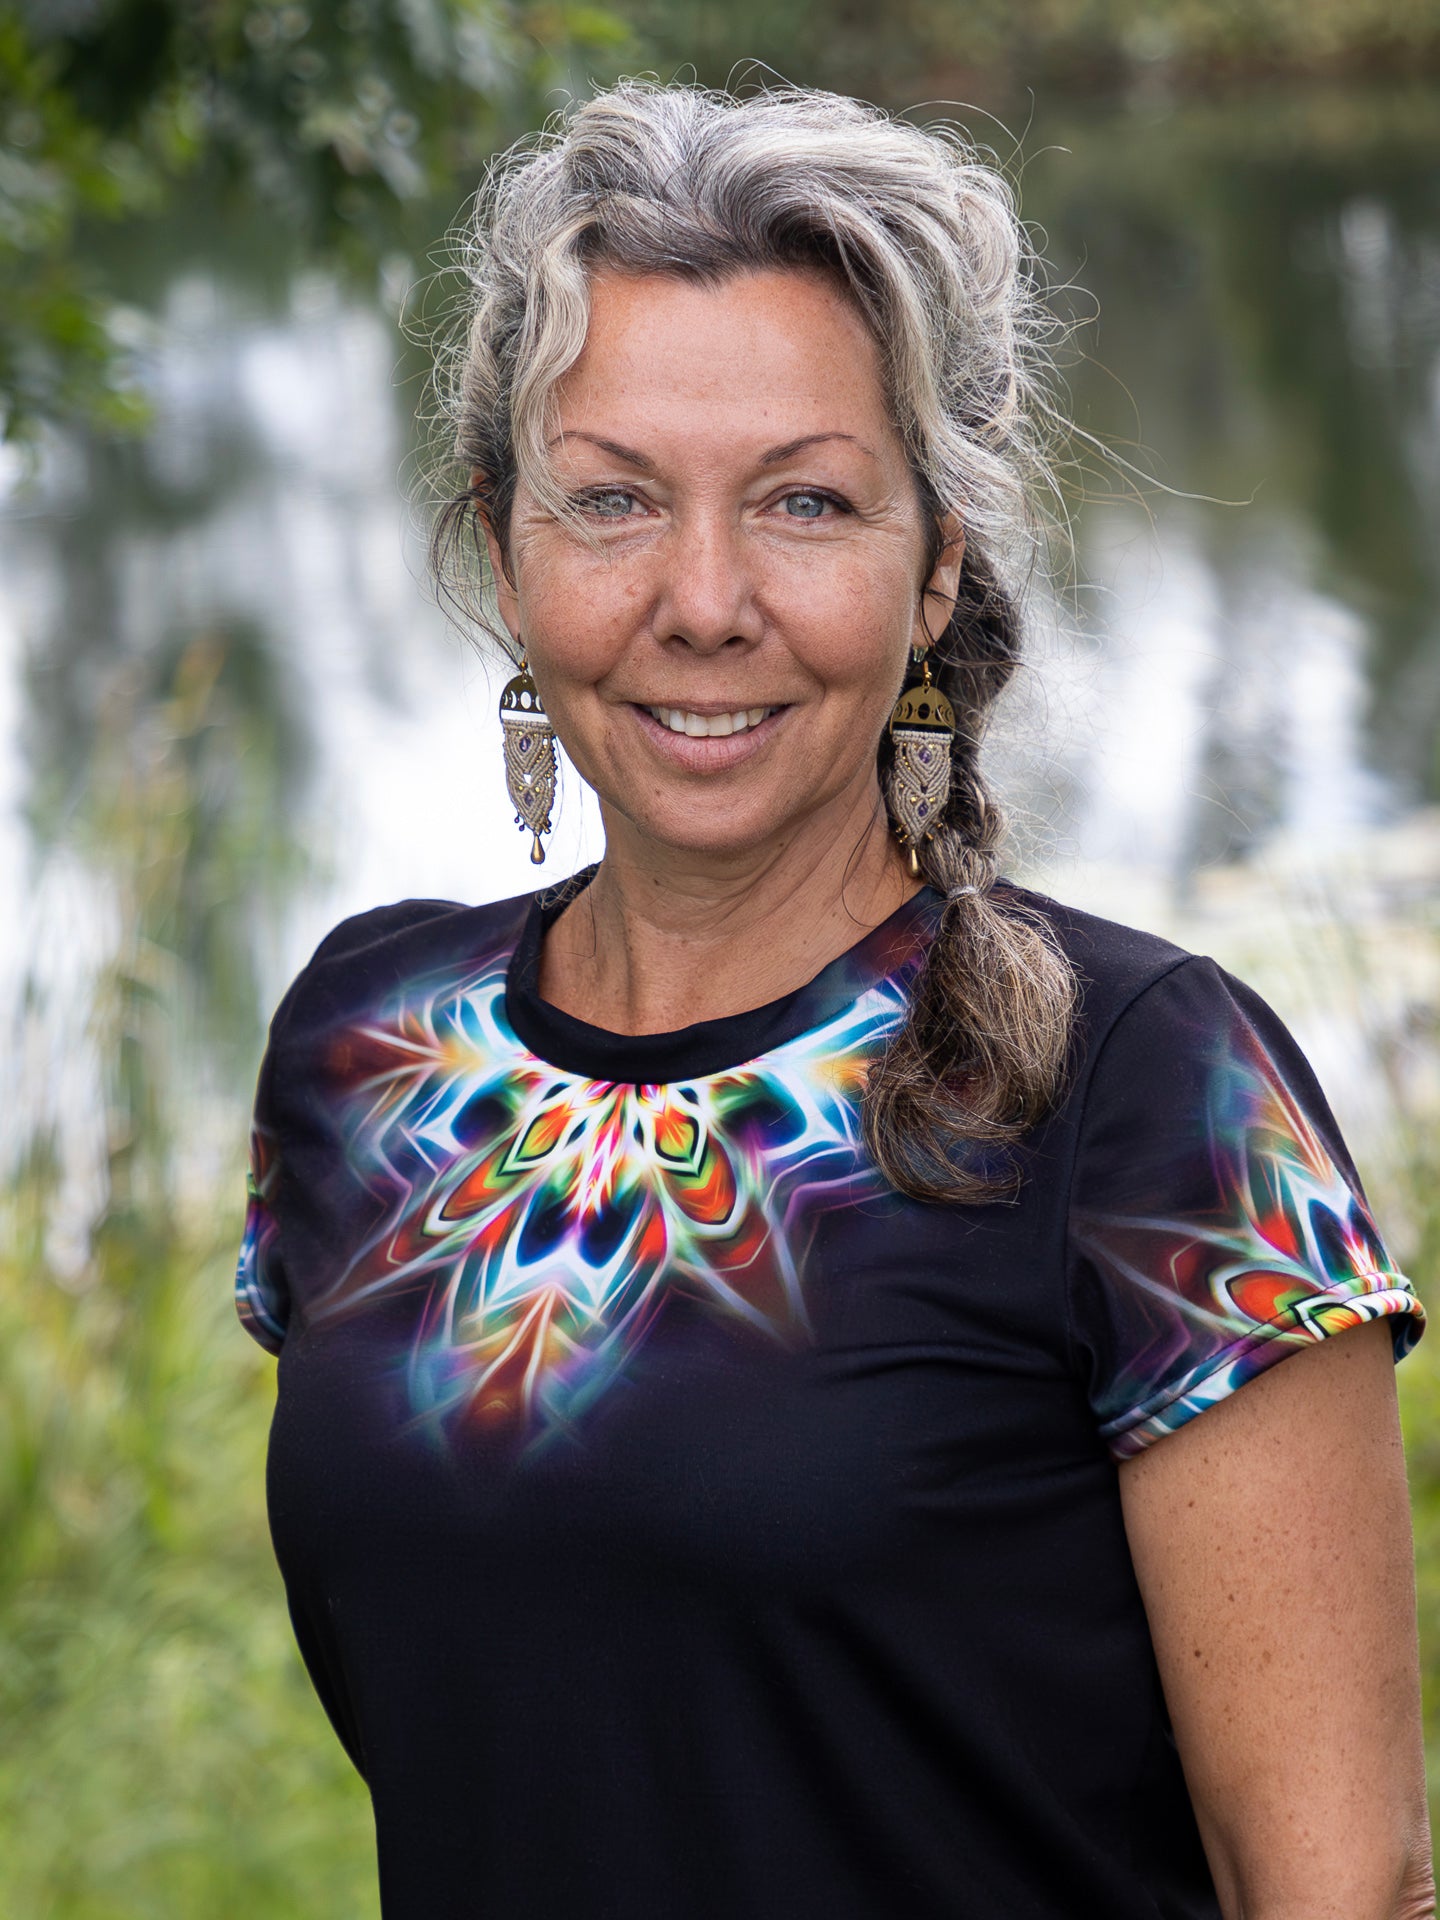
x=699 y=726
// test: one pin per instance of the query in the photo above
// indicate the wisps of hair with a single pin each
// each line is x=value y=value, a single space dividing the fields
x=925 y=236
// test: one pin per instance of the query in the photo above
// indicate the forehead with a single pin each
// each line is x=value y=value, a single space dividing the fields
x=786 y=351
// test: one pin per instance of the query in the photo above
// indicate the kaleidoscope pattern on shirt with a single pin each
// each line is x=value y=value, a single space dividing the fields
x=1287 y=1254
x=259 y=1290
x=548 y=1218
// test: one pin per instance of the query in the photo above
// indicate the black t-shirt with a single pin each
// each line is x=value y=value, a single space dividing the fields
x=678 y=1522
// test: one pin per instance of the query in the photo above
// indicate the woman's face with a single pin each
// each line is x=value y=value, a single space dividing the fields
x=720 y=664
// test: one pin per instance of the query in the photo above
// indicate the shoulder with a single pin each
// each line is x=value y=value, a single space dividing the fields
x=1156 y=1020
x=369 y=954
x=1114 y=964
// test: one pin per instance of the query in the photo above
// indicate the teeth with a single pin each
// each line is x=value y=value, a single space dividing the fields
x=701 y=725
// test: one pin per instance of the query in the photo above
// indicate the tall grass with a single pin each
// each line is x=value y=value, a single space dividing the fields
x=161 y=1752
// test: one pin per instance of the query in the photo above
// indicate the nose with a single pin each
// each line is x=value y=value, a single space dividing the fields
x=707 y=597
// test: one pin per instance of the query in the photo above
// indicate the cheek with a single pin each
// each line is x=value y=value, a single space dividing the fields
x=857 y=621
x=553 y=586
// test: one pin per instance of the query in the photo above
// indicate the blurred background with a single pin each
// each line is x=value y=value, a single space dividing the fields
x=230 y=714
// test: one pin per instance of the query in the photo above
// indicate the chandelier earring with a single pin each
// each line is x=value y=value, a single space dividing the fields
x=922 y=731
x=530 y=765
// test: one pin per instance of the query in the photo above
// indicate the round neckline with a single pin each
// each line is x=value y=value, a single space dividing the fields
x=705 y=1047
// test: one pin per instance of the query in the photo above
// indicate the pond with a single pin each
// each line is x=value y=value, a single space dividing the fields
x=229 y=713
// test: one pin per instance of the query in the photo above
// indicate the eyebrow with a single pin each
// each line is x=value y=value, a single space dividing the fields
x=777 y=456
x=613 y=447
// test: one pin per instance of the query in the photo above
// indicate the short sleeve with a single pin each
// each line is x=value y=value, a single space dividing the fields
x=1217 y=1223
x=262 y=1295
x=262 y=1291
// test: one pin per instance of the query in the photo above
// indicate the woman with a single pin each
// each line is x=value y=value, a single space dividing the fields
x=760 y=1322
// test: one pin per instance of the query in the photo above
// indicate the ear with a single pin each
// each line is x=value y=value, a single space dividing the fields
x=506 y=598
x=938 y=595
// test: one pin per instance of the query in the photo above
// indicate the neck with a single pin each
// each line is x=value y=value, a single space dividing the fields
x=663 y=937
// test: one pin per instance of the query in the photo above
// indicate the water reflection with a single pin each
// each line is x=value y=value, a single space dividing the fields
x=1200 y=713
x=227 y=621
x=1267 y=276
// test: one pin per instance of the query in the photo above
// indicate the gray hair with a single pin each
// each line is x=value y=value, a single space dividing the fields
x=925 y=237
x=681 y=180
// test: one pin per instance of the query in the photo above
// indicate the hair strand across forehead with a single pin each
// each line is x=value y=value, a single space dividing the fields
x=677 y=179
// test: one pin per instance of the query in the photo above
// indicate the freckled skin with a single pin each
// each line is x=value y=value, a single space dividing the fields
x=1271 y=1541
x=709 y=589
x=731 y=574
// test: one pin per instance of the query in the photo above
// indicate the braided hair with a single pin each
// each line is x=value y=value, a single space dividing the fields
x=922 y=234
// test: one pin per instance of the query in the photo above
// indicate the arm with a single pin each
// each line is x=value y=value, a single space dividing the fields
x=1271 y=1540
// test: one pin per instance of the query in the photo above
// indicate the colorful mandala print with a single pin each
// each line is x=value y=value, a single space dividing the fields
x=549 y=1217
x=258 y=1299
x=1288 y=1255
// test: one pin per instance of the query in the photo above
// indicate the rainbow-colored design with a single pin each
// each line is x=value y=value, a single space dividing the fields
x=540 y=1222
x=550 y=1217
x=258 y=1296
x=1287 y=1254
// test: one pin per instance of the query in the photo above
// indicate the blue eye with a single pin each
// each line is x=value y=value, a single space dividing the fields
x=805 y=506
x=611 y=503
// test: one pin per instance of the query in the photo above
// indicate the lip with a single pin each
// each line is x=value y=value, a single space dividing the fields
x=708 y=753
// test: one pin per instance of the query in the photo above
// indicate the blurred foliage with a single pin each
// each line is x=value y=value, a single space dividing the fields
x=174 y=762
x=333 y=119
x=163 y=1752
x=338 y=119
x=1414 y=1180
x=1003 y=47
x=1262 y=272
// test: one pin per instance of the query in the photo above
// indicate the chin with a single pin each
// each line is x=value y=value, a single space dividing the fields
x=687 y=831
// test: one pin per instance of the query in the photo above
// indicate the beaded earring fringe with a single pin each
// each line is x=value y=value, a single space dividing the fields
x=922 y=730
x=530 y=765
